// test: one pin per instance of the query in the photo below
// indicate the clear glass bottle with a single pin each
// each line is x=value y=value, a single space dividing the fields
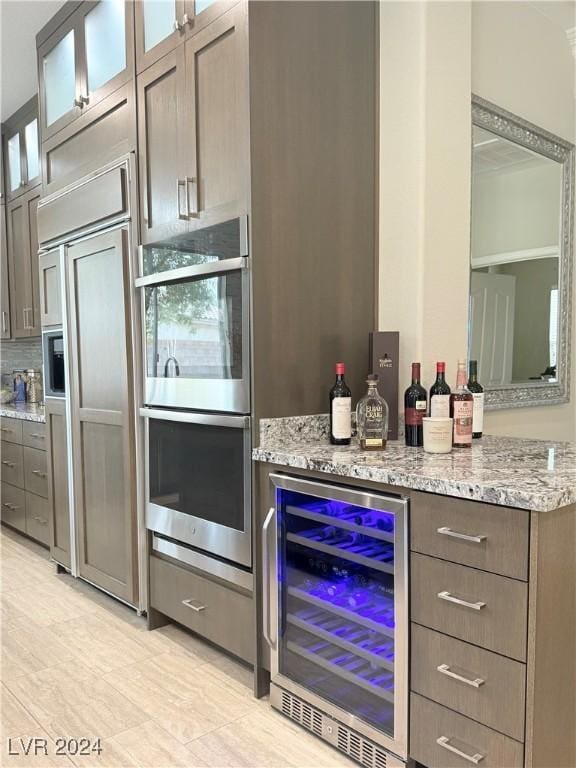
x=372 y=418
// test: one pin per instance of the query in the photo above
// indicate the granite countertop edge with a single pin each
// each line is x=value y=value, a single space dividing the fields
x=25 y=412
x=536 y=475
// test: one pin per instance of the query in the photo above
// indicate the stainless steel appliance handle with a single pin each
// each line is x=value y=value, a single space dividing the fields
x=444 y=531
x=210 y=420
x=196 y=270
x=444 y=742
x=266 y=578
x=448 y=596
x=444 y=669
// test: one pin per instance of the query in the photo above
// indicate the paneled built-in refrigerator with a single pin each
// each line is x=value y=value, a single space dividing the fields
x=336 y=615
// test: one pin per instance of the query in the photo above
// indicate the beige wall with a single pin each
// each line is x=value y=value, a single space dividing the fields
x=433 y=56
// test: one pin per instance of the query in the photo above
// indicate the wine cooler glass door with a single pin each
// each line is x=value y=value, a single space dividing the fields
x=341 y=604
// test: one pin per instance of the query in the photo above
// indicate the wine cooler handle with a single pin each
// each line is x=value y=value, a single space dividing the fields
x=444 y=741
x=266 y=613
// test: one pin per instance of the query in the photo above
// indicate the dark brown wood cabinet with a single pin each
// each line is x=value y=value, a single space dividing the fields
x=161 y=27
x=58 y=506
x=193 y=114
x=102 y=420
x=22 y=243
x=85 y=53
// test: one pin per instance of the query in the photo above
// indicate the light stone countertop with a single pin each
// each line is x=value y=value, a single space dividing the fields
x=25 y=411
x=512 y=472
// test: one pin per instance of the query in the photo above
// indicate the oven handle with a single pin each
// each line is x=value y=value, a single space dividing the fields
x=267 y=578
x=210 y=420
x=187 y=273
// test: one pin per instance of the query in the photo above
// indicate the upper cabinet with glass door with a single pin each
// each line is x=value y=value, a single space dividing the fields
x=21 y=150
x=83 y=60
x=162 y=24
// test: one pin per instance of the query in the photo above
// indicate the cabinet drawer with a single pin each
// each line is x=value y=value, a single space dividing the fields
x=481 y=535
x=462 y=741
x=495 y=692
x=13 y=507
x=216 y=612
x=36 y=471
x=479 y=607
x=12 y=464
x=11 y=429
x=34 y=435
x=37 y=518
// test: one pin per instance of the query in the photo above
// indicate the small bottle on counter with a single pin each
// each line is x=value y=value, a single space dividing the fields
x=440 y=394
x=340 y=409
x=372 y=418
x=415 y=402
x=461 y=410
x=478 y=395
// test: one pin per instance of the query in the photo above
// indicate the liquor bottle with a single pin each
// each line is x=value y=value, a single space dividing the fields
x=340 y=409
x=478 y=395
x=440 y=393
x=372 y=418
x=461 y=410
x=414 y=409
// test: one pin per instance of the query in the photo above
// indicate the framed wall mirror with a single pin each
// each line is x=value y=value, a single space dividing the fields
x=521 y=259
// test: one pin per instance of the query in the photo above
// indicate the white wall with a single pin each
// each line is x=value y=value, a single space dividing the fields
x=433 y=56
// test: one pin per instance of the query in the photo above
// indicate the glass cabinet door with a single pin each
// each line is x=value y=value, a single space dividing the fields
x=32 y=150
x=105 y=40
x=59 y=75
x=342 y=617
x=159 y=17
x=14 y=163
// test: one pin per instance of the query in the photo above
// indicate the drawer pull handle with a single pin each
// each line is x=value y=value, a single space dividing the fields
x=444 y=742
x=7 y=429
x=40 y=520
x=464 y=536
x=458 y=600
x=8 y=463
x=445 y=670
x=37 y=472
x=38 y=435
x=12 y=507
x=194 y=604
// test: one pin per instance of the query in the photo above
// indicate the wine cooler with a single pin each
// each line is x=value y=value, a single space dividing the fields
x=336 y=615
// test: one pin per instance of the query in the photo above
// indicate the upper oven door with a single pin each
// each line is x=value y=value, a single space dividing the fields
x=199 y=481
x=196 y=318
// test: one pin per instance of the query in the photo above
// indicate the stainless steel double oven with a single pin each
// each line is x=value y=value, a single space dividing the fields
x=196 y=316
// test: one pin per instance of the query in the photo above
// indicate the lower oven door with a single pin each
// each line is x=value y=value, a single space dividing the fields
x=199 y=470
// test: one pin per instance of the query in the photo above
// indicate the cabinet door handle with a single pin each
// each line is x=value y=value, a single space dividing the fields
x=84 y=99
x=186 y=20
x=37 y=472
x=7 y=429
x=195 y=605
x=444 y=742
x=12 y=507
x=78 y=103
x=177 y=25
x=40 y=520
x=10 y=464
x=4 y=323
x=38 y=435
x=180 y=184
x=477 y=606
x=191 y=193
x=444 y=669
x=444 y=531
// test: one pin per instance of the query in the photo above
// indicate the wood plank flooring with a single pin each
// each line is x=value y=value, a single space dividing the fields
x=77 y=664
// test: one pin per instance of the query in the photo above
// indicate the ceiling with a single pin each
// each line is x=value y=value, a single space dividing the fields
x=20 y=20
x=495 y=154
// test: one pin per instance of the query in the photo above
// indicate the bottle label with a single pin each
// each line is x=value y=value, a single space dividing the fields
x=478 y=416
x=440 y=406
x=342 y=418
x=413 y=416
x=463 y=415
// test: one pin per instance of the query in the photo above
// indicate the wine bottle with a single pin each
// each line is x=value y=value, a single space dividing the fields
x=478 y=395
x=415 y=400
x=440 y=393
x=461 y=410
x=340 y=409
x=372 y=418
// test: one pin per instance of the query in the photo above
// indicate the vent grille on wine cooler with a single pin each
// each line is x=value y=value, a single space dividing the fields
x=364 y=752
x=302 y=713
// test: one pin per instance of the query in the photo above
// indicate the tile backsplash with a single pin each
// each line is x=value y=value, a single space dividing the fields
x=21 y=353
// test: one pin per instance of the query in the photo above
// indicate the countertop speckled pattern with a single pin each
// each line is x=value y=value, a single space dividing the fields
x=511 y=472
x=25 y=411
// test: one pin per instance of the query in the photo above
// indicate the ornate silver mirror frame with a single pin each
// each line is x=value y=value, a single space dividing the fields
x=531 y=394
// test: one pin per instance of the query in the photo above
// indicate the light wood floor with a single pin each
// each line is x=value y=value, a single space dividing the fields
x=76 y=663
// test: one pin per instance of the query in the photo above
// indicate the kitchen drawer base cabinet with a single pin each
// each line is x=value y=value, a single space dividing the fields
x=441 y=738
x=13 y=507
x=219 y=613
